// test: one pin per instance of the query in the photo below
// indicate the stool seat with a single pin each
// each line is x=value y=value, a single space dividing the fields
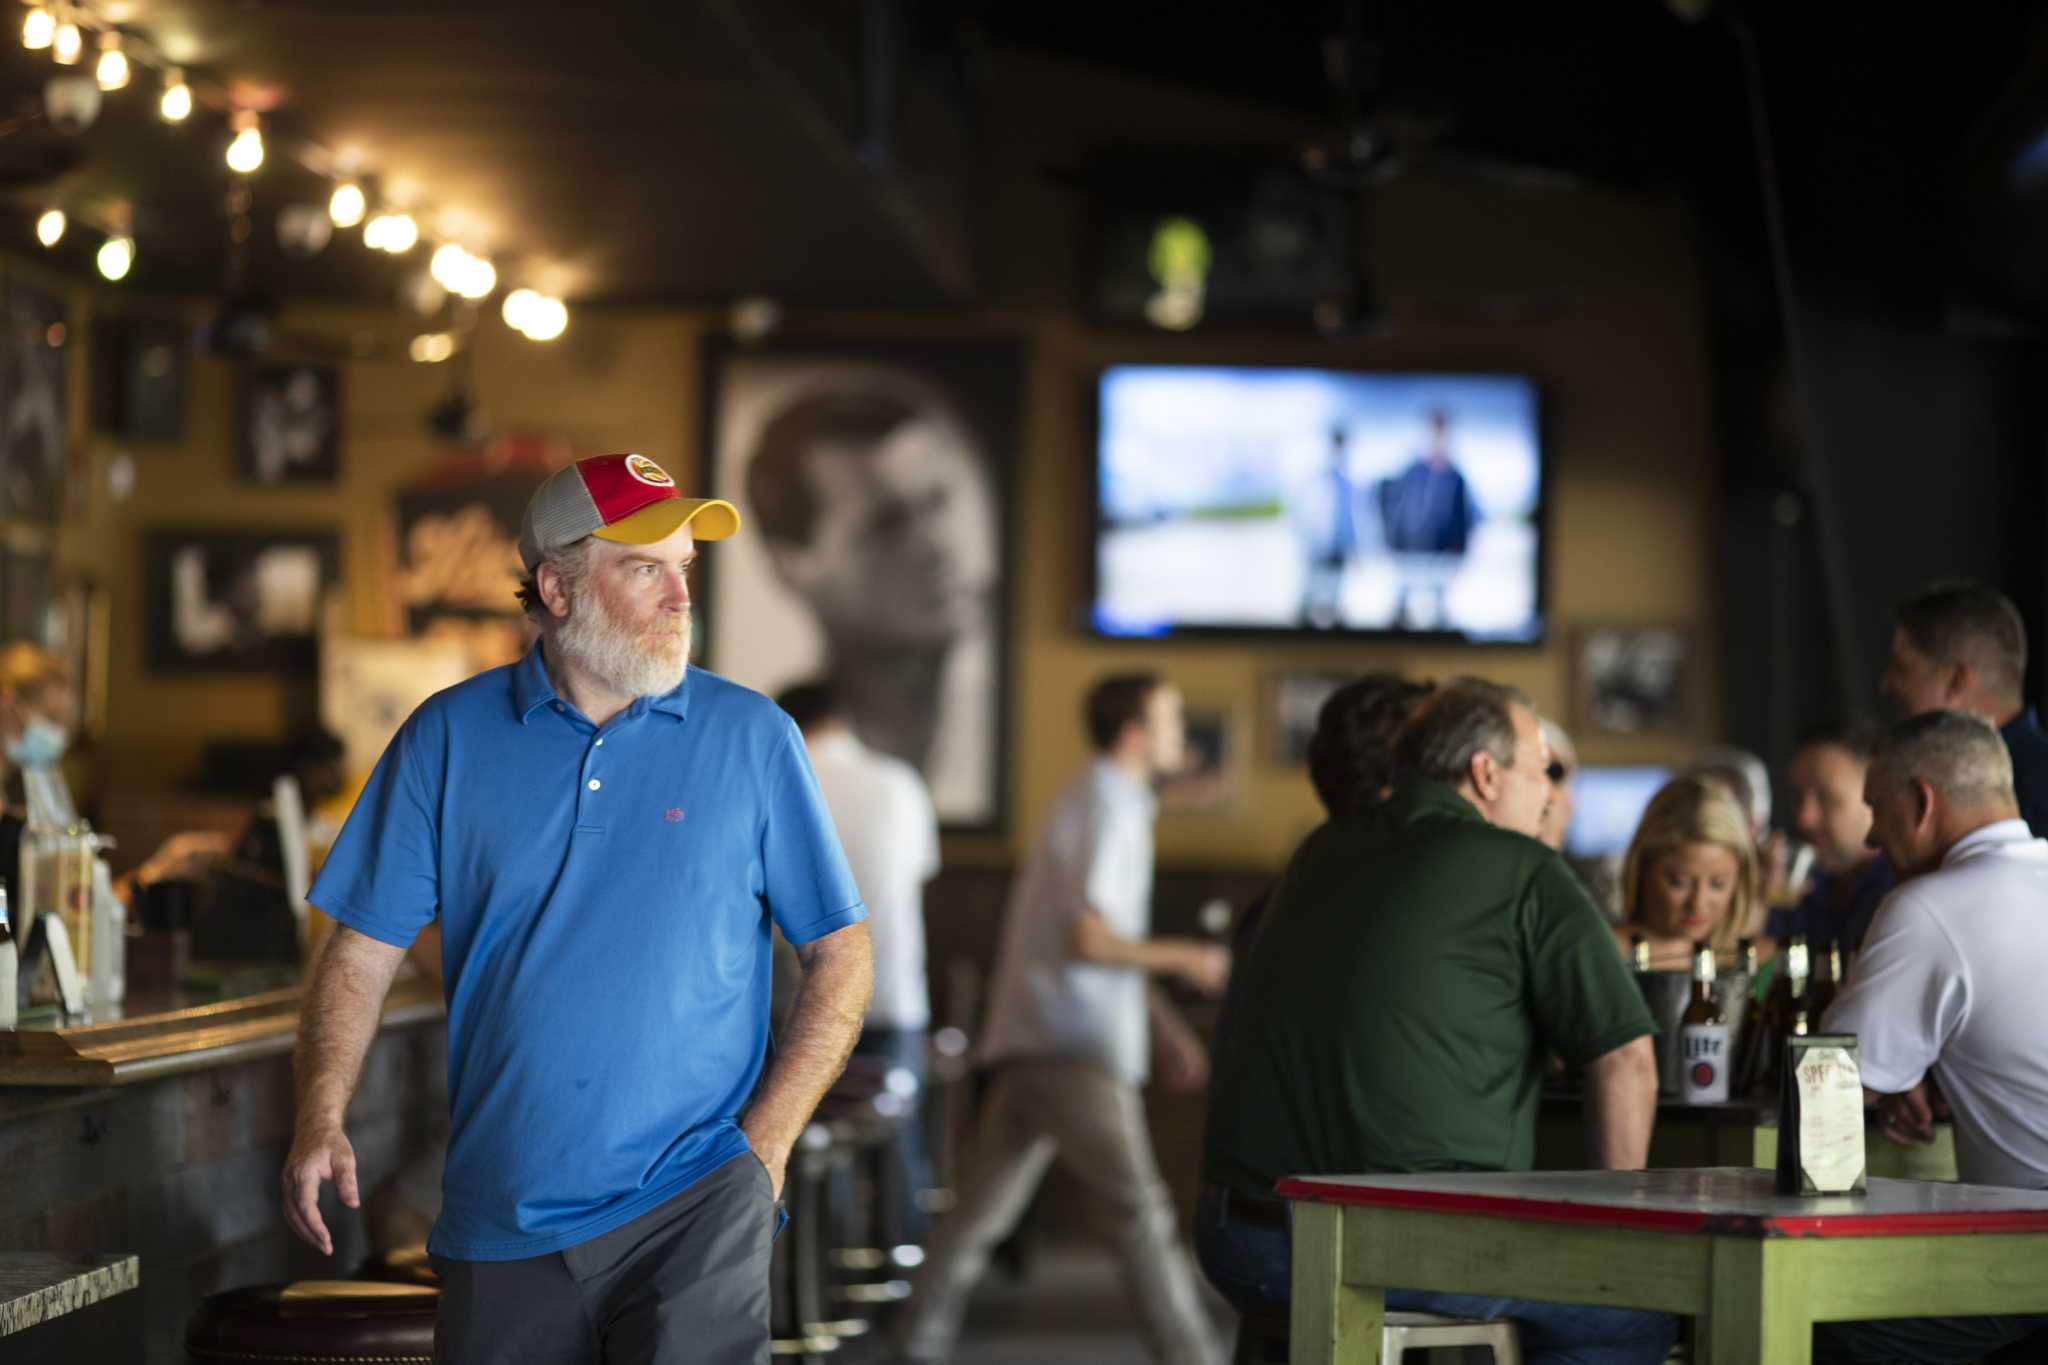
x=315 y=1321
x=400 y=1265
x=1262 y=1336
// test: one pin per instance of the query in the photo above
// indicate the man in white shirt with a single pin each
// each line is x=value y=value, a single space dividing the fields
x=1948 y=983
x=1069 y=1035
x=890 y=833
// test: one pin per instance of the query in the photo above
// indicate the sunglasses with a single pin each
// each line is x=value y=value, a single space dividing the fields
x=1556 y=772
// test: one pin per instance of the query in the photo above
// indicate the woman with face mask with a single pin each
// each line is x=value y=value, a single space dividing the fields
x=36 y=720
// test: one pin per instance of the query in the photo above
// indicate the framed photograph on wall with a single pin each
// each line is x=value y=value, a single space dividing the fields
x=1632 y=680
x=34 y=347
x=873 y=480
x=1293 y=700
x=232 y=600
x=291 y=423
x=1209 y=779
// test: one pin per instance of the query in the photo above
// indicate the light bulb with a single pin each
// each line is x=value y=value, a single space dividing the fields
x=66 y=44
x=431 y=348
x=245 y=153
x=117 y=254
x=547 y=319
x=517 y=307
x=447 y=266
x=37 y=28
x=478 y=278
x=176 y=105
x=347 y=205
x=396 y=233
x=50 y=227
x=112 y=72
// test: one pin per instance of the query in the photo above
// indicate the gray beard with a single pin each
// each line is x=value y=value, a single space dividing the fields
x=596 y=643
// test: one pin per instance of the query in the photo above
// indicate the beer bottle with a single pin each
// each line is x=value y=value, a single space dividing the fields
x=1827 y=981
x=1745 y=957
x=1798 y=1016
x=1639 y=952
x=1703 y=1035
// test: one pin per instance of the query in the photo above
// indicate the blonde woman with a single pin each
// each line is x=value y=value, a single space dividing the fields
x=1690 y=875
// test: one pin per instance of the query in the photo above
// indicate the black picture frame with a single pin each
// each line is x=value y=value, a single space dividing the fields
x=948 y=413
x=290 y=424
x=34 y=403
x=230 y=600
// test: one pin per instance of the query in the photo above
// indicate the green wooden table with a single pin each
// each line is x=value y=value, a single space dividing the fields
x=1756 y=1269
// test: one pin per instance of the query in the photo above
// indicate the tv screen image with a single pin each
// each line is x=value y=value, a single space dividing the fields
x=1246 y=500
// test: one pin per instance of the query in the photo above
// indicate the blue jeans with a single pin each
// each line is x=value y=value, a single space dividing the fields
x=1253 y=1266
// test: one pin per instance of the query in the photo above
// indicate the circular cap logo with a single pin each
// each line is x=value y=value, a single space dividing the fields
x=648 y=472
x=1703 y=1073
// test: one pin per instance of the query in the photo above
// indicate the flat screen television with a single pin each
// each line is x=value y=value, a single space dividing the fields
x=1238 y=500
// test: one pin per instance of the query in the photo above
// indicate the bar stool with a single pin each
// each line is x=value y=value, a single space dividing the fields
x=798 y=1273
x=400 y=1265
x=312 y=1321
x=1262 y=1336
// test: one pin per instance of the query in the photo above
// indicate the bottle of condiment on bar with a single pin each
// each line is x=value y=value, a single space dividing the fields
x=9 y=965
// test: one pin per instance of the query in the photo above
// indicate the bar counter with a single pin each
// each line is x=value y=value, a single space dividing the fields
x=1737 y=1133
x=163 y=1134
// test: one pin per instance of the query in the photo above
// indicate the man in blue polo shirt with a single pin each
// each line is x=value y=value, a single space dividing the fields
x=605 y=836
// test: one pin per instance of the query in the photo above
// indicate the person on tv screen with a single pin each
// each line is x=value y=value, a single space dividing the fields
x=1428 y=515
x=1325 y=515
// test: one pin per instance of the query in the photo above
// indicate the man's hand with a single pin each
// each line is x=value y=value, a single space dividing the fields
x=1907 y=1118
x=320 y=1153
x=1206 y=967
x=775 y=1158
x=1183 y=1062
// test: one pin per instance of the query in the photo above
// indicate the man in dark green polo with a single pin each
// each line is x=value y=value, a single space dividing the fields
x=1418 y=966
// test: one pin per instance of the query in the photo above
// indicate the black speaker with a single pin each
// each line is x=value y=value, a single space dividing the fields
x=143 y=363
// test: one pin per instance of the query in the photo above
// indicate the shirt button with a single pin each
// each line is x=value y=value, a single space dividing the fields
x=595 y=784
x=600 y=744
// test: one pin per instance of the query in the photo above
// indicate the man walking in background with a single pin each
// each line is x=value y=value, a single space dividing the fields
x=1072 y=1020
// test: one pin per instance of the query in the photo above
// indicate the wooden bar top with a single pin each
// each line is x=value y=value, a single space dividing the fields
x=123 y=1050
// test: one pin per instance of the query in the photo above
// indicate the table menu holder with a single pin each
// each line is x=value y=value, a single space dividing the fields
x=1820 y=1117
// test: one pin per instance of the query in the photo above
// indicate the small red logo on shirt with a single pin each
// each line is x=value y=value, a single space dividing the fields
x=673 y=814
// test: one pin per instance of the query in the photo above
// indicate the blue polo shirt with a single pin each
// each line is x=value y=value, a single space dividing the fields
x=604 y=897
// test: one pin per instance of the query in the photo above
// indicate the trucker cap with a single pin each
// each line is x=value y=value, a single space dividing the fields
x=625 y=498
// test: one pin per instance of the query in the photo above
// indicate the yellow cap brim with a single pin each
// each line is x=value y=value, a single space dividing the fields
x=707 y=518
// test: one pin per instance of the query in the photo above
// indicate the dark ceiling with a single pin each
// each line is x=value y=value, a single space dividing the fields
x=831 y=151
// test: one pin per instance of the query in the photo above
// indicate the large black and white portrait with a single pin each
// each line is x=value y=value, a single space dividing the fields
x=291 y=423
x=236 y=601
x=871 y=480
x=1631 y=680
x=32 y=355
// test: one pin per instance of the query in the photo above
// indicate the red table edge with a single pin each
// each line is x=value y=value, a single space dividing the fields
x=1668 y=1220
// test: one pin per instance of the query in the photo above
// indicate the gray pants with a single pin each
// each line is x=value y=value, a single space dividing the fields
x=1095 y=1126
x=683 y=1283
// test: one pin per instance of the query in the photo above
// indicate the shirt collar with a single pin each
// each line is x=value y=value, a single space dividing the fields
x=2025 y=723
x=532 y=689
x=1423 y=798
x=1999 y=834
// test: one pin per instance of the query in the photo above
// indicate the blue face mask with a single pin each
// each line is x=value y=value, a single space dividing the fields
x=39 y=745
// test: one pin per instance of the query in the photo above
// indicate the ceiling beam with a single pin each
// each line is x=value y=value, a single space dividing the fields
x=830 y=105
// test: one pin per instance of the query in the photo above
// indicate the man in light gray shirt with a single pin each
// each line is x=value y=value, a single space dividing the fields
x=1948 y=985
x=1070 y=1033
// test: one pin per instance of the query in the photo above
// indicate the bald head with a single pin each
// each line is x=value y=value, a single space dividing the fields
x=1935 y=778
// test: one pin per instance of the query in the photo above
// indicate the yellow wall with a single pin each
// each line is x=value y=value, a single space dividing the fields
x=1624 y=376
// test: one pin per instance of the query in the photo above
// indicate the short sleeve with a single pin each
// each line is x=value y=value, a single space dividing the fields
x=1109 y=845
x=382 y=877
x=806 y=883
x=1906 y=997
x=1580 y=993
x=925 y=820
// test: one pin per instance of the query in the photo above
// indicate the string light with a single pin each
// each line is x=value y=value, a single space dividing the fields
x=66 y=43
x=536 y=316
x=431 y=348
x=345 y=208
x=396 y=233
x=38 y=27
x=116 y=256
x=459 y=272
x=176 y=105
x=50 y=227
x=245 y=153
x=112 y=72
